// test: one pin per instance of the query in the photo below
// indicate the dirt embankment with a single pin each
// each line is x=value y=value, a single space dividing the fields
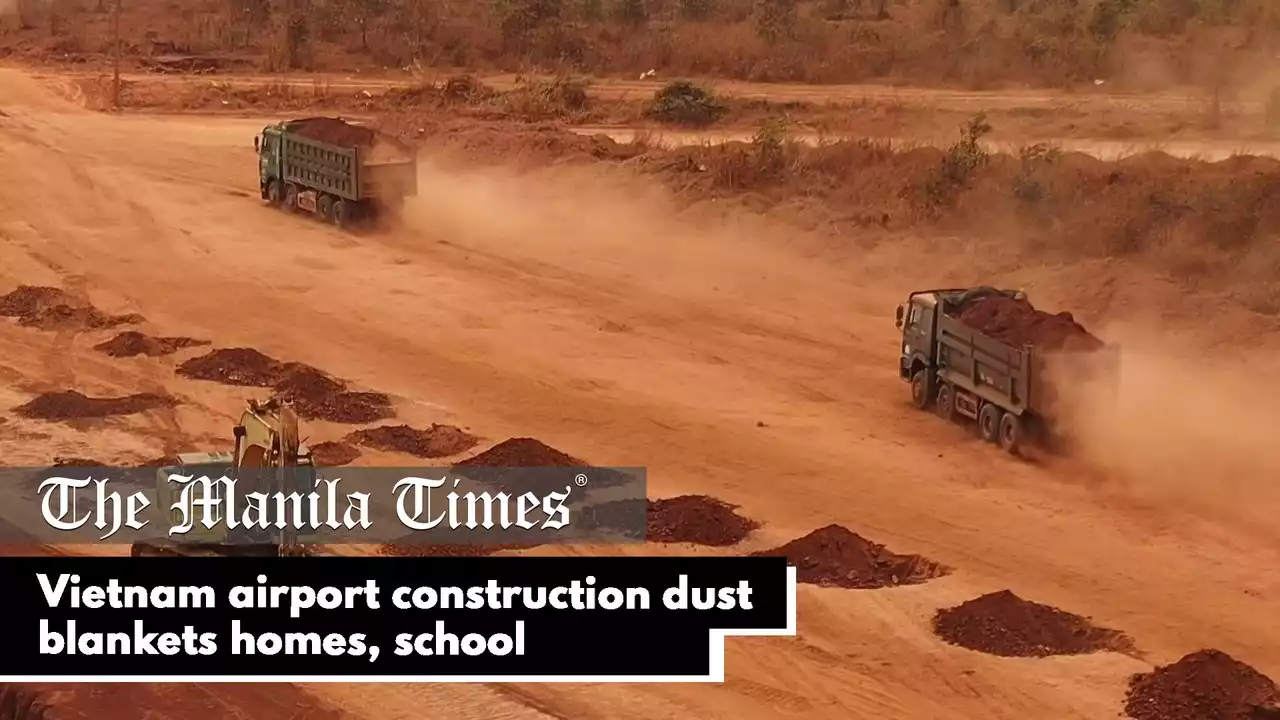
x=334 y=454
x=1205 y=223
x=837 y=557
x=1004 y=624
x=313 y=393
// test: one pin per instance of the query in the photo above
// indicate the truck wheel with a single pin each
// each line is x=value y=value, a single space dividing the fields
x=341 y=213
x=291 y=197
x=946 y=403
x=325 y=206
x=989 y=422
x=272 y=192
x=1010 y=433
x=921 y=389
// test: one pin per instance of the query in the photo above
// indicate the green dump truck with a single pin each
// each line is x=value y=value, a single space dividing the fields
x=346 y=174
x=987 y=355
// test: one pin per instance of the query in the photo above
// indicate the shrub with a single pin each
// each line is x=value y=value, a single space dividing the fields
x=684 y=103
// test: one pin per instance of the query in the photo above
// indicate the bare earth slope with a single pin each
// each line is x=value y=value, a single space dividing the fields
x=622 y=341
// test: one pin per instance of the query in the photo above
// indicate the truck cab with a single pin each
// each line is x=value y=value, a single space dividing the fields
x=917 y=318
x=270 y=173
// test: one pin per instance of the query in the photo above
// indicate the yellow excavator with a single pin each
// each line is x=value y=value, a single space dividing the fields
x=268 y=458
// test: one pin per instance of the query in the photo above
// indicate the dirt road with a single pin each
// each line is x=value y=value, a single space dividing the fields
x=1097 y=98
x=727 y=361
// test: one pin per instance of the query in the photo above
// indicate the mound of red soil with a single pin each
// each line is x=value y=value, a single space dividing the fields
x=521 y=453
x=837 y=557
x=131 y=343
x=1017 y=322
x=76 y=462
x=66 y=317
x=696 y=519
x=333 y=454
x=434 y=442
x=1205 y=684
x=234 y=366
x=29 y=300
x=317 y=396
x=1004 y=624
x=71 y=405
x=314 y=394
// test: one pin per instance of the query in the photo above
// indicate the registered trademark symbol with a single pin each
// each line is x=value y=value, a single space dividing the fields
x=580 y=480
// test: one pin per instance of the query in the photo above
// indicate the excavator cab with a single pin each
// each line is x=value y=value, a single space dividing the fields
x=268 y=458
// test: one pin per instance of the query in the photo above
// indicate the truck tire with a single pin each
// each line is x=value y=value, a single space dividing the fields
x=291 y=197
x=272 y=192
x=921 y=389
x=989 y=422
x=325 y=207
x=341 y=213
x=1010 y=433
x=946 y=403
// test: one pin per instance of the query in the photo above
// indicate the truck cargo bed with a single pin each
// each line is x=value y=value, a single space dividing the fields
x=1014 y=377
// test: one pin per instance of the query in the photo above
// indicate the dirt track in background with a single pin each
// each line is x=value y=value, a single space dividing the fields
x=728 y=362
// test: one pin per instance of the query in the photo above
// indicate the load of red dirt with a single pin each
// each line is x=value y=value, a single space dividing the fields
x=333 y=454
x=71 y=405
x=131 y=343
x=1004 y=624
x=521 y=453
x=696 y=519
x=334 y=131
x=1016 y=321
x=435 y=442
x=233 y=366
x=1204 y=684
x=834 y=556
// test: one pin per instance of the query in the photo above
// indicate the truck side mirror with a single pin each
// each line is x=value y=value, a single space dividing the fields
x=897 y=322
x=255 y=143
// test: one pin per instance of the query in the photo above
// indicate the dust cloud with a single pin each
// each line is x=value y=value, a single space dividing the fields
x=1196 y=431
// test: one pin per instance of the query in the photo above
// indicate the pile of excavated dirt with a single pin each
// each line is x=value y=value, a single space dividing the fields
x=234 y=366
x=696 y=519
x=333 y=454
x=29 y=300
x=1017 y=322
x=837 y=557
x=131 y=343
x=435 y=442
x=66 y=317
x=71 y=405
x=314 y=394
x=1004 y=624
x=522 y=453
x=317 y=396
x=447 y=550
x=1205 y=684
x=50 y=308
